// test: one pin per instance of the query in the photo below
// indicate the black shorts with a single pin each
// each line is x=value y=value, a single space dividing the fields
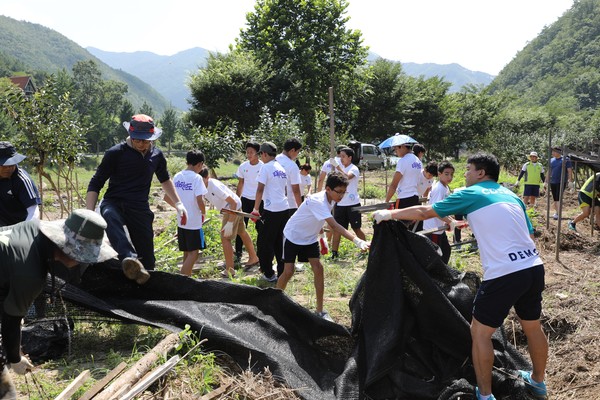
x=521 y=289
x=555 y=189
x=190 y=239
x=531 y=190
x=344 y=216
x=303 y=252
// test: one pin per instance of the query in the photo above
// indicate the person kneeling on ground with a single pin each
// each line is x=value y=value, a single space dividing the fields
x=302 y=230
x=233 y=225
x=27 y=252
x=587 y=201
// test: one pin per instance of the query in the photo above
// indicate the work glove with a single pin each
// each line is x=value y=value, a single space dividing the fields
x=255 y=212
x=382 y=215
x=324 y=247
x=361 y=244
x=333 y=163
x=23 y=366
x=181 y=212
x=517 y=183
x=227 y=229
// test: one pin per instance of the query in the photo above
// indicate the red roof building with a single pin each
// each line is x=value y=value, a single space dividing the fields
x=25 y=83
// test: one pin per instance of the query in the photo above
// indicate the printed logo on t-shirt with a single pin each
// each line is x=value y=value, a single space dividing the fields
x=183 y=185
x=279 y=174
x=523 y=255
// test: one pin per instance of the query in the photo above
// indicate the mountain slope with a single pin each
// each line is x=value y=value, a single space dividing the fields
x=167 y=74
x=44 y=49
x=560 y=67
x=454 y=73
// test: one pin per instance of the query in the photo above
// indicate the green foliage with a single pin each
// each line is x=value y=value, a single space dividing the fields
x=372 y=192
x=307 y=47
x=278 y=129
x=218 y=143
x=169 y=123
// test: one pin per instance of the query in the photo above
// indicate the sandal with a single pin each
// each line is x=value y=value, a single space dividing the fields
x=227 y=275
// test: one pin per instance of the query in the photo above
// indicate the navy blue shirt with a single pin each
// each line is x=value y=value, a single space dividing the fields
x=17 y=194
x=556 y=169
x=130 y=173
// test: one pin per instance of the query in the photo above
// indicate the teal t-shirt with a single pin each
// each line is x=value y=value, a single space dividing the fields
x=500 y=224
x=24 y=258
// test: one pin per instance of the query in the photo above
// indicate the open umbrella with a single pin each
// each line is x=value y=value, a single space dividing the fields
x=396 y=140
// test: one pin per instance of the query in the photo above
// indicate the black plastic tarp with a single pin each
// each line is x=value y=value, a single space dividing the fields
x=409 y=337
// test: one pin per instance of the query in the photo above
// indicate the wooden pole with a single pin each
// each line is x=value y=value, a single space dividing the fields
x=331 y=125
x=132 y=375
x=150 y=378
x=99 y=385
x=76 y=384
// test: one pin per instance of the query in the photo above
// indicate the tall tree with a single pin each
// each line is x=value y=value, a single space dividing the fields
x=232 y=88
x=308 y=47
x=169 y=123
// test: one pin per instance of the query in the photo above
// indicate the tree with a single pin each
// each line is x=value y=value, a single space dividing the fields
x=232 y=88
x=169 y=123
x=218 y=143
x=146 y=109
x=308 y=49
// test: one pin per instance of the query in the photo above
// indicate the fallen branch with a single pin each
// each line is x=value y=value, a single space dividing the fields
x=76 y=384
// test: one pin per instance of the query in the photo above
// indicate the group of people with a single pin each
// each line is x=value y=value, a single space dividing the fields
x=275 y=191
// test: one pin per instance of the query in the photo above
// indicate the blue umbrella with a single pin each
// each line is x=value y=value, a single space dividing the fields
x=396 y=140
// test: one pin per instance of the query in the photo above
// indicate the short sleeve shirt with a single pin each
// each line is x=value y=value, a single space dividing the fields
x=273 y=176
x=304 y=226
x=438 y=193
x=499 y=221
x=249 y=173
x=217 y=193
x=351 y=197
x=24 y=261
x=410 y=167
x=293 y=177
x=423 y=184
x=189 y=185
x=556 y=169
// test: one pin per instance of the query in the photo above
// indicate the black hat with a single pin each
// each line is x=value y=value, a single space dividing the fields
x=8 y=154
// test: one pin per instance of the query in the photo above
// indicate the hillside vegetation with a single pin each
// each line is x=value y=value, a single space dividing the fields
x=43 y=50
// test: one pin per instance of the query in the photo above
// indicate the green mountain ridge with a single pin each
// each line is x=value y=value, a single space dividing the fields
x=43 y=49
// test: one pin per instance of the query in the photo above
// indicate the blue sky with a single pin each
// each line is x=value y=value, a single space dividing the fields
x=481 y=35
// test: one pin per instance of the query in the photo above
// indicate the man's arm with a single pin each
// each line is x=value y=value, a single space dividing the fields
x=240 y=187
x=91 y=198
x=260 y=189
x=321 y=180
x=393 y=185
x=201 y=205
x=297 y=194
x=169 y=189
x=414 y=213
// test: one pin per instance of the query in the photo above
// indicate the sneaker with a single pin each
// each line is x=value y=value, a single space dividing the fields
x=555 y=217
x=478 y=395
x=325 y=315
x=273 y=278
x=299 y=267
x=134 y=270
x=537 y=390
x=572 y=226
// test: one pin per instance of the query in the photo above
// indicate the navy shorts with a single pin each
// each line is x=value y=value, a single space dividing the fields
x=302 y=252
x=531 y=190
x=344 y=216
x=555 y=189
x=190 y=239
x=521 y=289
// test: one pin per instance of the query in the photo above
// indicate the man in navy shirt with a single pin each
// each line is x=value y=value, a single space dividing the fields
x=554 y=176
x=19 y=197
x=129 y=167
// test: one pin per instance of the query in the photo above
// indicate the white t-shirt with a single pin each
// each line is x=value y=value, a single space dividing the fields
x=305 y=181
x=249 y=173
x=351 y=197
x=189 y=185
x=438 y=193
x=218 y=192
x=293 y=177
x=304 y=226
x=273 y=176
x=423 y=184
x=410 y=167
x=328 y=168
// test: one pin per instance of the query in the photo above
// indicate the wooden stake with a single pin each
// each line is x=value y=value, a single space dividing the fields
x=99 y=385
x=76 y=384
x=150 y=378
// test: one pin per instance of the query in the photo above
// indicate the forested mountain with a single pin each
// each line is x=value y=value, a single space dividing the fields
x=167 y=74
x=561 y=67
x=454 y=73
x=41 y=49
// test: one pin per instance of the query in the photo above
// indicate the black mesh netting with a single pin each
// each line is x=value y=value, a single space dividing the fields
x=409 y=339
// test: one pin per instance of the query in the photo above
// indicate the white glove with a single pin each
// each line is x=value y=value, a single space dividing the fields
x=23 y=366
x=382 y=215
x=333 y=163
x=361 y=244
x=571 y=185
x=227 y=229
x=517 y=183
x=181 y=212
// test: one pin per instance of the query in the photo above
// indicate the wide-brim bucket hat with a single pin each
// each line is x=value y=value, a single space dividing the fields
x=533 y=154
x=142 y=127
x=81 y=236
x=9 y=155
